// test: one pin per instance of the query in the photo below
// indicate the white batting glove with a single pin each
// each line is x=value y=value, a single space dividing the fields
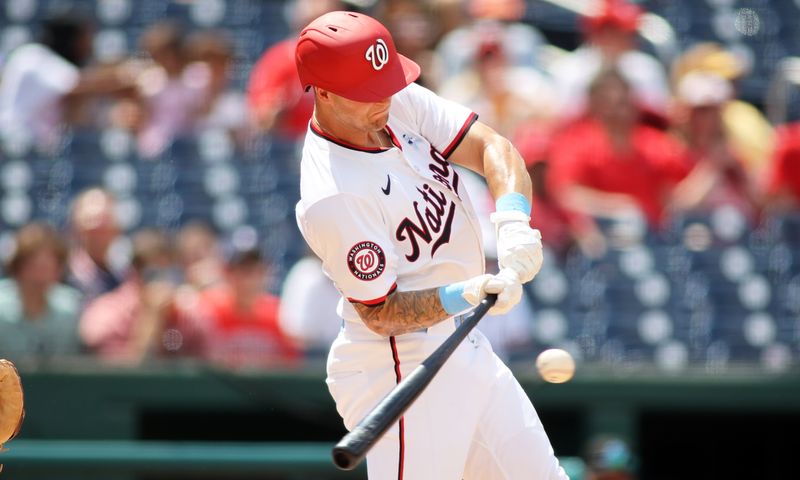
x=519 y=247
x=505 y=284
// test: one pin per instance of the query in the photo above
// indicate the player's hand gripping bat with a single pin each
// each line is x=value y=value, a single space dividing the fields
x=353 y=447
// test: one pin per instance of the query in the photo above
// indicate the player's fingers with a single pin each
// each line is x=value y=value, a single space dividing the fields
x=507 y=298
x=524 y=263
x=495 y=285
x=475 y=289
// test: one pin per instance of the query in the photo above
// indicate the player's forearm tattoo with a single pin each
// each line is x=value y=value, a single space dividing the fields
x=403 y=312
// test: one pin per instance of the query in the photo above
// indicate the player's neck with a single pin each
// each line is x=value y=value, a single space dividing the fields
x=360 y=138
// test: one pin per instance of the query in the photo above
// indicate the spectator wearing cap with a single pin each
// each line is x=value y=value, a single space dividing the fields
x=783 y=180
x=144 y=317
x=610 y=41
x=94 y=229
x=244 y=331
x=45 y=82
x=521 y=43
x=749 y=133
x=38 y=315
x=274 y=93
x=610 y=164
x=503 y=94
x=719 y=177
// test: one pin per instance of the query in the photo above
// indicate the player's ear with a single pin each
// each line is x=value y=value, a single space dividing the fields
x=322 y=94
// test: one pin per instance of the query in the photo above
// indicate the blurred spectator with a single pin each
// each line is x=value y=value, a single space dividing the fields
x=609 y=458
x=38 y=315
x=749 y=132
x=243 y=318
x=718 y=177
x=561 y=228
x=608 y=164
x=198 y=256
x=611 y=42
x=141 y=318
x=308 y=306
x=173 y=96
x=93 y=220
x=274 y=94
x=504 y=95
x=43 y=83
x=783 y=181
x=211 y=55
x=414 y=30
x=521 y=43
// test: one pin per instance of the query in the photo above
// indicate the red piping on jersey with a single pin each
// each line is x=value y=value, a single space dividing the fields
x=377 y=301
x=460 y=135
x=399 y=376
x=394 y=138
x=338 y=141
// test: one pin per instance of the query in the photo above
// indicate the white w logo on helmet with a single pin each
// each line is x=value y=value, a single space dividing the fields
x=378 y=54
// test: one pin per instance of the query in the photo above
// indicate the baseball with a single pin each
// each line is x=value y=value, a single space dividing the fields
x=555 y=365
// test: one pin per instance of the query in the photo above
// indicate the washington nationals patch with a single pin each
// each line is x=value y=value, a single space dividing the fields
x=366 y=260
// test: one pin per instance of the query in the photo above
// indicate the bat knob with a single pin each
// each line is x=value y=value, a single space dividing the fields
x=344 y=459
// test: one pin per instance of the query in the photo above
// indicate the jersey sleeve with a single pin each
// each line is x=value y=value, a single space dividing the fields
x=56 y=75
x=349 y=235
x=442 y=122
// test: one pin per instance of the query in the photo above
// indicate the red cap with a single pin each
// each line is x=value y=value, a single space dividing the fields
x=353 y=56
x=617 y=13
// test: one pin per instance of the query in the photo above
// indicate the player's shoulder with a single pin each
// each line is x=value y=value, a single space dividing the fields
x=26 y=56
x=326 y=171
x=322 y=215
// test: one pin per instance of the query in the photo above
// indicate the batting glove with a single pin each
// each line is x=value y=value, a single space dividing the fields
x=458 y=297
x=519 y=246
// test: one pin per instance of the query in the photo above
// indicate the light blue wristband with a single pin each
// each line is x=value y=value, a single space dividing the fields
x=513 y=201
x=452 y=299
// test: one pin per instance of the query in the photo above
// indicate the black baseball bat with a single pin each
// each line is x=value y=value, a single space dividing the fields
x=353 y=447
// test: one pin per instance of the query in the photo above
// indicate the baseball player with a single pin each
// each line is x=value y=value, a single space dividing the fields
x=385 y=210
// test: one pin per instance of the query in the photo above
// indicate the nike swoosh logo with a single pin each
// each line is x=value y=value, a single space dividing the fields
x=388 y=185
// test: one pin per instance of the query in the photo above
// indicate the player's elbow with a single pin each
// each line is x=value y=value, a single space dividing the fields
x=378 y=326
x=375 y=318
x=372 y=316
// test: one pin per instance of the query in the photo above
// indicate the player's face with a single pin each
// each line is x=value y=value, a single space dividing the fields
x=363 y=116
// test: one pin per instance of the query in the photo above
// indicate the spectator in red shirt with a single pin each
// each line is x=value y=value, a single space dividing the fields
x=561 y=229
x=243 y=318
x=718 y=177
x=609 y=164
x=274 y=93
x=143 y=318
x=783 y=187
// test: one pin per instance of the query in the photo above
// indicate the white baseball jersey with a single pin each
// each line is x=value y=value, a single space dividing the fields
x=400 y=218
x=397 y=218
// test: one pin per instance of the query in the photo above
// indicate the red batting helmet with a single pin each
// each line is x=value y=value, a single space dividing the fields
x=353 y=56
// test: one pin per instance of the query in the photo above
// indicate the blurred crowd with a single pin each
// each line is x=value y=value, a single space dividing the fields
x=608 y=130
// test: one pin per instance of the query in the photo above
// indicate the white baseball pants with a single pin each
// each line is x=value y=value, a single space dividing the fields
x=473 y=422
